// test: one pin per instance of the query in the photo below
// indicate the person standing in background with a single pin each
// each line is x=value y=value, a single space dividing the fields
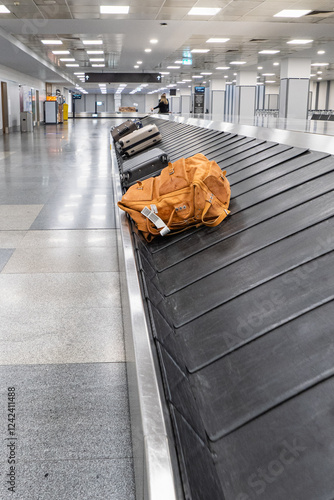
x=163 y=104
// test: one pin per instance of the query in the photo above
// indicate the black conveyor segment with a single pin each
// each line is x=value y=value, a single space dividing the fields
x=242 y=318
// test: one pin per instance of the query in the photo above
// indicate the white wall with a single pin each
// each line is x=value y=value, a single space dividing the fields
x=14 y=80
x=331 y=95
x=322 y=95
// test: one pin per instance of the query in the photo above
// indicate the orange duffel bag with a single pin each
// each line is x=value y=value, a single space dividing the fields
x=189 y=192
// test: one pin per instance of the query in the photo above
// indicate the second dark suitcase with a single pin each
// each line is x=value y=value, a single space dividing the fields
x=123 y=129
x=139 y=140
x=143 y=166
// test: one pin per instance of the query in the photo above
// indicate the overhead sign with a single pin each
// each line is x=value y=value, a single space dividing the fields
x=76 y=96
x=51 y=97
x=187 y=62
x=199 y=90
x=122 y=77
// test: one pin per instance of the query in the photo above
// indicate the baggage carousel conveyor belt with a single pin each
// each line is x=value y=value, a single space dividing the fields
x=242 y=322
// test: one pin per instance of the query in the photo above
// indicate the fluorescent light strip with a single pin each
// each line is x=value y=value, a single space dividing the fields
x=319 y=64
x=114 y=9
x=72 y=65
x=269 y=51
x=292 y=13
x=68 y=59
x=97 y=65
x=200 y=51
x=204 y=73
x=223 y=67
x=60 y=52
x=4 y=10
x=52 y=42
x=92 y=42
x=148 y=50
x=173 y=67
x=97 y=59
x=153 y=40
x=217 y=40
x=238 y=62
x=203 y=11
x=300 y=42
x=94 y=52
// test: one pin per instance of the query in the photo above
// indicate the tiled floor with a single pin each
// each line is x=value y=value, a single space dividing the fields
x=61 y=337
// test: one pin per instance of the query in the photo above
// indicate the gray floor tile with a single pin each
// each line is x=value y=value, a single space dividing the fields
x=68 y=412
x=62 y=260
x=82 y=290
x=11 y=239
x=73 y=480
x=52 y=335
x=5 y=255
x=18 y=217
x=66 y=238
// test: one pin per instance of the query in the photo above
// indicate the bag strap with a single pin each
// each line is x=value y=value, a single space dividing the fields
x=219 y=219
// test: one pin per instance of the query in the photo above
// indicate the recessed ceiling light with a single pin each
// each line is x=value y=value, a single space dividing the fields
x=319 y=64
x=269 y=51
x=139 y=62
x=300 y=42
x=153 y=40
x=178 y=62
x=270 y=81
x=94 y=52
x=148 y=50
x=96 y=59
x=292 y=13
x=268 y=74
x=203 y=11
x=206 y=73
x=164 y=72
x=52 y=42
x=60 y=52
x=217 y=40
x=200 y=51
x=136 y=66
x=223 y=67
x=311 y=75
x=320 y=52
x=319 y=72
x=259 y=83
x=238 y=62
x=68 y=59
x=80 y=73
x=225 y=76
x=319 y=78
x=187 y=81
x=260 y=67
x=114 y=9
x=197 y=76
x=173 y=67
x=72 y=65
x=92 y=42
x=98 y=65
x=180 y=82
x=276 y=64
x=4 y=10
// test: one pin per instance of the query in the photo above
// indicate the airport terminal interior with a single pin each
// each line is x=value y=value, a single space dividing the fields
x=141 y=365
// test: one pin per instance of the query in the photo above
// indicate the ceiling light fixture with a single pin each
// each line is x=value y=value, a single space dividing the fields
x=319 y=64
x=52 y=42
x=206 y=73
x=68 y=59
x=4 y=10
x=97 y=65
x=72 y=65
x=203 y=11
x=260 y=67
x=197 y=76
x=60 y=52
x=148 y=50
x=154 y=40
x=200 y=51
x=97 y=59
x=114 y=9
x=238 y=62
x=269 y=51
x=173 y=67
x=320 y=52
x=292 y=13
x=268 y=74
x=136 y=66
x=223 y=67
x=276 y=64
x=92 y=42
x=178 y=62
x=139 y=62
x=300 y=42
x=94 y=52
x=217 y=40
x=164 y=72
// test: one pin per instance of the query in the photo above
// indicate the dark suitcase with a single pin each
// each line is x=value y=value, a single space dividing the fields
x=123 y=129
x=139 y=140
x=143 y=166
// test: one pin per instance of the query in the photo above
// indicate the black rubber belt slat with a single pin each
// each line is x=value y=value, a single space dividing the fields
x=245 y=201
x=256 y=312
x=175 y=147
x=256 y=154
x=206 y=144
x=288 y=360
x=313 y=161
x=200 y=297
x=246 y=243
x=294 y=439
x=179 y=143
x=241 y=220
x=248 y=144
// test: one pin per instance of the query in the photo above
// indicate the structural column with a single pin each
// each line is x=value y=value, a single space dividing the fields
x=217 y=94
x=245 y=94
x=294 y=90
